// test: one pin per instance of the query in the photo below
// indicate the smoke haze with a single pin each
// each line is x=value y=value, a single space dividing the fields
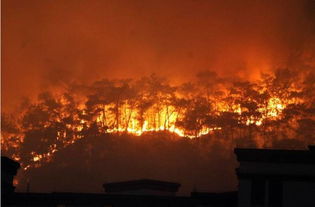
x=49 y=43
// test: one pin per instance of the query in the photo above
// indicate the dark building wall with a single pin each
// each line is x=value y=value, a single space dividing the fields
x=8 y=171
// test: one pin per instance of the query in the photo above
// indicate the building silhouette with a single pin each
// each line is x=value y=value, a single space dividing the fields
x=8 y=171
x=279 y=178
x=268 y=178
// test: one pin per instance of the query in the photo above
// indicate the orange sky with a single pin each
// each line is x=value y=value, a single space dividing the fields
x=52 y=42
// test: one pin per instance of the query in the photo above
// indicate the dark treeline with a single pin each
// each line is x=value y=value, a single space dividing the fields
x=275 y=111
x=202 y=164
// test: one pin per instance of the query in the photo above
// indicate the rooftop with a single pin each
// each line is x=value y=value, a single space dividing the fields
x=141 y=184
x=276 y=155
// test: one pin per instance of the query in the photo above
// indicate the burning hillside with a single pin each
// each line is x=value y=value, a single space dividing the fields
x=228 y=73
x=276 y=107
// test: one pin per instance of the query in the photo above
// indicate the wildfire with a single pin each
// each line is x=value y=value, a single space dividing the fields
x=147 y=105
x=171 y=129
x=164 y=119
x=165 y=122
x=156 y=119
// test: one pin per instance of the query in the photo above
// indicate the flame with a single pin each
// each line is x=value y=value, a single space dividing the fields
x=140 y=113
x=163 y=119
x=275 y=107
x=156 y=119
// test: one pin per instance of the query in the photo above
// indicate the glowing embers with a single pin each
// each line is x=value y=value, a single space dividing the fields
x=37 y=158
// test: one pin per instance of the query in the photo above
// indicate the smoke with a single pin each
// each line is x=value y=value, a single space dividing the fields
x=50 y=43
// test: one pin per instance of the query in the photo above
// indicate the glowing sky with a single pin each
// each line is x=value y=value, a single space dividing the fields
x=52 y=42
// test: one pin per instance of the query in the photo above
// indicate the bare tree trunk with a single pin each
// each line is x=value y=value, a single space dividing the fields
x=104 y=118
x=128 y=119
x=117 y=115
x=166 y=118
